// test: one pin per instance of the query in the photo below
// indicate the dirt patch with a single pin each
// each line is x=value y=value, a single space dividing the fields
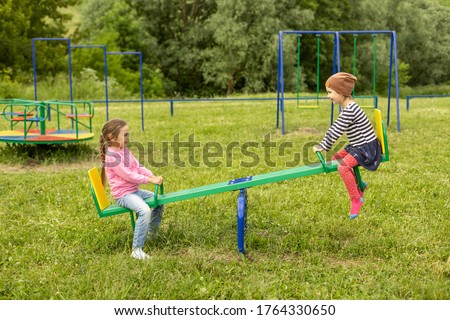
x=33 y=166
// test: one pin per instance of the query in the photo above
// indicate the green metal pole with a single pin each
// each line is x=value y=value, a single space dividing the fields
x=358 y=178
x=57 y=116
x=42 y=118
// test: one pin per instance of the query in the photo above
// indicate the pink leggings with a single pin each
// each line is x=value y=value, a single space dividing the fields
x=346 y=163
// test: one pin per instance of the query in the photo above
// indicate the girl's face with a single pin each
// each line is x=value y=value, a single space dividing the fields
x=334 y=96
x=123 y=137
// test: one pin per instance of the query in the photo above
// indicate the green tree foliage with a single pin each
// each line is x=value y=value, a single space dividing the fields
x=215 y=47
x=22 y=20
x=179 y=30
x=116 y=25
x=243 y=54
x=423 y=29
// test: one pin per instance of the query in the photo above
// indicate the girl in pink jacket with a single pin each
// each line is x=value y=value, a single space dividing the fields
x=125 y=174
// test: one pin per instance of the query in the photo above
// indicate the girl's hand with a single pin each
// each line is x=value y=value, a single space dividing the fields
x=317 y=148
x=156 y=180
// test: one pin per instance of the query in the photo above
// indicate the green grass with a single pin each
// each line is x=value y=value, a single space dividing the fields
x=300 y=243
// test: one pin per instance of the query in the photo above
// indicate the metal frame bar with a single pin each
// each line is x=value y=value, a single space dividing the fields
x=141 y=85
x=424 y=96
x=393 y=66
x=280 y=78
x=105 y=69
x=33 y=52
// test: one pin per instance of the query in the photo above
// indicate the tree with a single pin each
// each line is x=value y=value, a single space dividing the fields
x=243 y=54
x=423 y=29
x=117 y=25
x=179 y=27
x=22 y=20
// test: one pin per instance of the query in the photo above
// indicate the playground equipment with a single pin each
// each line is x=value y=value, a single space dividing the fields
x=141 y=83
x=106 y=209
x=105 y=61
x=306 y=106
x=280 y=81
x=424 y=96
x=374 y=96
x=374 y=73
x=33 y=54
x=105 y=69
x=34 y=115
x=393 y=66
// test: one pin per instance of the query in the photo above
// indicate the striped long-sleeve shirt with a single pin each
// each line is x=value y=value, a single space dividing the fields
x=352 y=121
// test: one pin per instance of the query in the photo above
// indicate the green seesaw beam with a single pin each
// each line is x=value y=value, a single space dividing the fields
x=242 y=183
x=253 y=181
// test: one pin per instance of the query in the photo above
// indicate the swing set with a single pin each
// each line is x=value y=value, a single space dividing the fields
x=354 y=71
x=374 y=74
x=336 y=67
x=317 y=97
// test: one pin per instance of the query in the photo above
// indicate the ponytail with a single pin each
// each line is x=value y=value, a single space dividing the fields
x=110 y=130
x=103 y=148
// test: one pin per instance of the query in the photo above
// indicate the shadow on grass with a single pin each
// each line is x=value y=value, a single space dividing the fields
x=46 y=154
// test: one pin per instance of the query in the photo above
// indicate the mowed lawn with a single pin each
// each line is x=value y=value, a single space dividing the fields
x=300 y=243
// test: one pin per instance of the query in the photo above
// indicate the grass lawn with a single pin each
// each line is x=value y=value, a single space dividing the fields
x=300 y=243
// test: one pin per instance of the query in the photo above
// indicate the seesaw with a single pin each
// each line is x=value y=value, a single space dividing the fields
x=106 y=209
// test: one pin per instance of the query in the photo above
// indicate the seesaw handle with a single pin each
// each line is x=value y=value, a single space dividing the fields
x=156 y=192
x=322 y=161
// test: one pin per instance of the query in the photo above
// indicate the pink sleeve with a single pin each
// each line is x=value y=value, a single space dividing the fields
x=144 y=171
x=124 y=171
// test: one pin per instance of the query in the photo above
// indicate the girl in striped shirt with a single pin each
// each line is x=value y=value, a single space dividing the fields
x=363 y=148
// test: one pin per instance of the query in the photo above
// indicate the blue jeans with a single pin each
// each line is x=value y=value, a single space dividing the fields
x=148 y=220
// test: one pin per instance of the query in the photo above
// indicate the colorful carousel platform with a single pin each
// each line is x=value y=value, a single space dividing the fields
x=29 y=121
x=50 y=136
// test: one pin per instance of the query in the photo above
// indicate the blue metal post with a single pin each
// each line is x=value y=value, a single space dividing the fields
x=105 y=69
x=241 y=219
x=69 y=52
x=336 y=68
x=394 y=37
x=171 y=107
x=281 y=73
x=33 y=54
x=141 y=85
x=280 y=62
x=388 y=118
x=393 y=63
x=33 y=51
x=338 y=45
x=280 y=87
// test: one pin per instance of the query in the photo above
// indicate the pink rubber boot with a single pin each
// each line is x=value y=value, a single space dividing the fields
x=356 y=206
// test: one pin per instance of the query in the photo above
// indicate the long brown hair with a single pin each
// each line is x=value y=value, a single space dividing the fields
x=110 y=131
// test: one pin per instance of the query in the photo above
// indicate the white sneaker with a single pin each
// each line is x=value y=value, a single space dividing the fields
x=137 y=253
